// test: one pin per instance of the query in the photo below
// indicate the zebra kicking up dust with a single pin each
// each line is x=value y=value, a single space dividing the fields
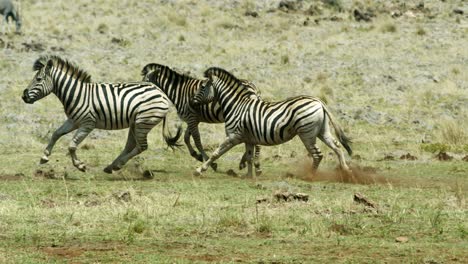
x=181 y=88
x=138 y=106
x=253 y=121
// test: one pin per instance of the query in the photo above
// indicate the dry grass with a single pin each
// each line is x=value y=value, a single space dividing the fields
x=388 y=86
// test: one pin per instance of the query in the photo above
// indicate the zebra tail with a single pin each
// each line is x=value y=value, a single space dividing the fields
x=344 y=140
x=171 y=141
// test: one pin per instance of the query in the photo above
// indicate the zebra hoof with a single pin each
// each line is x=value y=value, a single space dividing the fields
x=81 y=167
x=44 y=160
x=108 y=170
x=197 y=173
x=242 y=165
x=197 y=156
x=214 y=166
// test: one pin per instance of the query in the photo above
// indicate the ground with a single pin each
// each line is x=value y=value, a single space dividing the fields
x=397 y=83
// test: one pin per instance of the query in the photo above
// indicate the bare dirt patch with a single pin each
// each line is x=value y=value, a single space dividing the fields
x=70 y=252
x=11 y=177
x=360 y=175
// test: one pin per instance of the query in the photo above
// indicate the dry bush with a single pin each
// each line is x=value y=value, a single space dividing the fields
x=453 y=132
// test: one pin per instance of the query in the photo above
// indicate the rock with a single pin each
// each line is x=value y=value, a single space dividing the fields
x=147 y=174
x=49 y=174
x=301 y=197
x=289 y=196
x=458 y=11
x=362 y=16
x=444 y=156
x=408 y=156
x=251 y=13
x=401 y=239
x=232 y=173
x=360 y=198
x=465 y=158
x=123 y=196
x=290 y=5
x=387 y=157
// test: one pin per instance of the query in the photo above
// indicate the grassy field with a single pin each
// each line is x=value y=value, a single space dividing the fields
x=398 y=84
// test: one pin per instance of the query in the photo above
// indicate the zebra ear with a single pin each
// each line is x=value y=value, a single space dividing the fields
x=49 y=65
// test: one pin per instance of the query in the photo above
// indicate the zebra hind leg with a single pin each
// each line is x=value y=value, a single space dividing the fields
x=249 y=157
x=129 y=146
x=140 y=134
x=314 y=151
x=192 y=151
x=196 y=138
x=258 y=170
x=328 y=139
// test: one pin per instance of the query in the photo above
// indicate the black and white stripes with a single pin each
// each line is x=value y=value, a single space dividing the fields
x=138 y=106
x=252 y=121
x=181 y=88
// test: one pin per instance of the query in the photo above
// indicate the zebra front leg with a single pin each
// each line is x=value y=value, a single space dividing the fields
x=196 y=137
x=79 y=136
x=229 y=143
x=193 y=153
x=64 y=129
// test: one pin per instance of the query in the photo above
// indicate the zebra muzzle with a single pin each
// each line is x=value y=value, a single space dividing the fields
x=26 y=98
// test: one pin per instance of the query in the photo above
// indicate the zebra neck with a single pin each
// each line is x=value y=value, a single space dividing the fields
x=70 y=91
x=178 y=89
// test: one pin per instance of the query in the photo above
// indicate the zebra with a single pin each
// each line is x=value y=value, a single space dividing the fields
x=138 y=106
x=180 y=88
x=253 y=121
x=8 y=10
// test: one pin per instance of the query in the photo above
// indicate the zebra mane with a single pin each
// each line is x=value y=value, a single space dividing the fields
x=229 y=77
x=219 y=72
x=58 y=62
x=154 y=66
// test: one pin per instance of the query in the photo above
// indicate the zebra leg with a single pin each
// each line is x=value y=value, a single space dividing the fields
x=64 y=129
x=142 y=128
x=258 y=170
x=193 y=153
x=79 y=136
x=229 y=143
x=249 y=149
x=196 y=137
x=131 y=143
x=314 y=151
x=328 y=139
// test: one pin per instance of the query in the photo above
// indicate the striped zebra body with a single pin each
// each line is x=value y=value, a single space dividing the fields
x=252 y=121
x=181 y=89
x=139 y=106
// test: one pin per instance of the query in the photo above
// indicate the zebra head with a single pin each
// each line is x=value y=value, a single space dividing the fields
x=220 y=79
x=151 y=72
x=42 y=84
x=205 y=94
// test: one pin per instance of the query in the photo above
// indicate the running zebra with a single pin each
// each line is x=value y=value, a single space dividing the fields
x=180 y=89
x=138 y=106
x=253 y=121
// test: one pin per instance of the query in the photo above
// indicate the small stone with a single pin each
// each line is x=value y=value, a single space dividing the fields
x=444 y=156
x=408 y=156
x=465 y=158
x=458 y=11
x=232 y=173
x=401 y=239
